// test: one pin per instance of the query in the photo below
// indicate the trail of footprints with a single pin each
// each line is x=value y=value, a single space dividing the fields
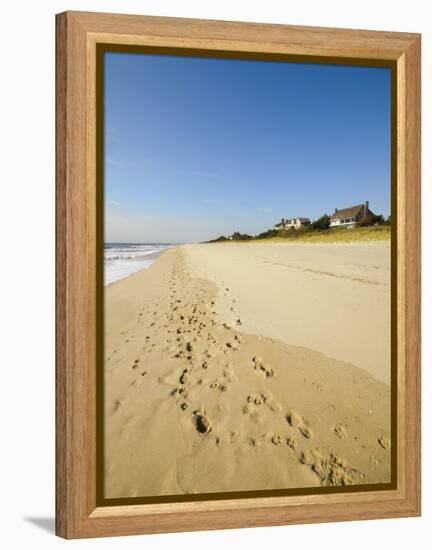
x=215 y=355
x=196 y=323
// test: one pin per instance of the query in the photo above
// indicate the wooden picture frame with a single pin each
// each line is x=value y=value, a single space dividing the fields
x=79 y=34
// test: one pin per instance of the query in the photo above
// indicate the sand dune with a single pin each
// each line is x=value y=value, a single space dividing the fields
x=206 y=392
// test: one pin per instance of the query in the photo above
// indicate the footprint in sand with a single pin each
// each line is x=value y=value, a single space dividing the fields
x=332 y=470
x=305 y=431
x=220 y=387
x=201 y=421
x=291 y=443
x=340 y=430
x=256 y=399
x=183 y=392
x=117 y=404
x=384 y=442
x=260 y=367
x=295 y=421
x=229 y=375
x=184 y=377
x=256 y=441
x=231 y=346
x=253 y=401
x=277 y=439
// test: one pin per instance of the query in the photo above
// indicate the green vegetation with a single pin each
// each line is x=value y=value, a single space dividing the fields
x=220 y=239
x=371 y=228
x=335 y=235
x=321 y=223
x=237 y=236
x=268 y=234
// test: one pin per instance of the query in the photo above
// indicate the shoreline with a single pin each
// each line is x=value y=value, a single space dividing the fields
x=195 y=403
x=149 y=258
x=272 y=241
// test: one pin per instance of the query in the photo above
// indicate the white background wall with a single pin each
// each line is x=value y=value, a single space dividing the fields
x=27 y=269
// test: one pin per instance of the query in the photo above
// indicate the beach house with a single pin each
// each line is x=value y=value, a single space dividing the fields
x=349 y=217
x=293 y=223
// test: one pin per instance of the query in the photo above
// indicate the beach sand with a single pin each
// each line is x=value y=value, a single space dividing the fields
x=236 y=367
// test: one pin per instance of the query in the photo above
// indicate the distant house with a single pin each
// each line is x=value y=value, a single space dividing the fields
x=348 y=217
x=293 y=223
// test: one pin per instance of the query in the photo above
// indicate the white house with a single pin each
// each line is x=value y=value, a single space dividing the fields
x=293 y=223
x=348 y=217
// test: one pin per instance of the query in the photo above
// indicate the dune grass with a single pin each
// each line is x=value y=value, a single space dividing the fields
x=336 y=235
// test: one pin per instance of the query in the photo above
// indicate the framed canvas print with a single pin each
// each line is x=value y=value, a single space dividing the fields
x=238 y=274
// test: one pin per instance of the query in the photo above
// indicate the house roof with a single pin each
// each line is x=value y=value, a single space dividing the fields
x=349 y=212
x=303 y=220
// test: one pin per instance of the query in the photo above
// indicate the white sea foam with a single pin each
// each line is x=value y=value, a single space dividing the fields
x=121 y=260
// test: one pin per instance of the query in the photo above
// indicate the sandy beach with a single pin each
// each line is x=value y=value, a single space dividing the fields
x=247 y=366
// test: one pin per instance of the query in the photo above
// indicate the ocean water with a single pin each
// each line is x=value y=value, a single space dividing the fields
x=121 y=260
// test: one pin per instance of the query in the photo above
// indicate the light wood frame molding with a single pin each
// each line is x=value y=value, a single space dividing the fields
x=78 y=34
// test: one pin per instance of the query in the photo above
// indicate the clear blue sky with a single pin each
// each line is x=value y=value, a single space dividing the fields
x=198 y=147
